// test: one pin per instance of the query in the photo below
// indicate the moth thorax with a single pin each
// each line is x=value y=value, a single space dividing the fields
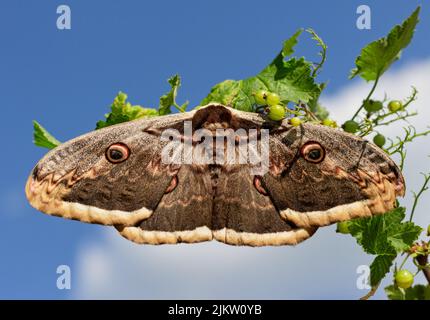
x=213 y=126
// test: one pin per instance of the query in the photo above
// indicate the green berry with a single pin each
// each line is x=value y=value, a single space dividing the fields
x=329 y=123
x=428 y=231
x=272 y=99
x=276 y=112
x=373 y=106
x=260 y=97
x=295 y=122
x=343 y=227
x=404 y=278
x=379 y=140
x=395 y=105
x=350 y=126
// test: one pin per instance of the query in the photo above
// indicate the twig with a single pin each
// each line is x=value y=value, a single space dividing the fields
x=423 y=260
x=322 y=53
x=404 y=117
x=418 y=195
x=372 y=121
x=404 y=261
x=371 y=293
x=412 y=98
x=410 y=135
x=367 y=98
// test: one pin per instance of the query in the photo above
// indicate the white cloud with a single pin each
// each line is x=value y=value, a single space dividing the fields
x=319 y=268
x=323 y=267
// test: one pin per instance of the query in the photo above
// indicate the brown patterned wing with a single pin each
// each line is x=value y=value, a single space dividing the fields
x=215 y=202
x=184 y=213
x=316 y=176
x=353 y=178
x=245 y=215
x=77 y=180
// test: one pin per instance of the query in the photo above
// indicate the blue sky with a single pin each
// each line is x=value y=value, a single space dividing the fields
x=67 y=79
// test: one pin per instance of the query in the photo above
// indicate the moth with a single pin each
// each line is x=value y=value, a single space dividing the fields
x=116 y=176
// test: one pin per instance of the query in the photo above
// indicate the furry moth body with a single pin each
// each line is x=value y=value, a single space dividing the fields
x=115 y=176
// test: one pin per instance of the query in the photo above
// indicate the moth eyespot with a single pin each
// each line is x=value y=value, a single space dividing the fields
x=313 y=152
x=117 y=153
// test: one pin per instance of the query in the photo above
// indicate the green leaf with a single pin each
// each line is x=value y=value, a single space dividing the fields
x=380 y=267
x=417 y=292
x=289 y=44
x=370 y=233
x=291 y=79
x=373 y=237
x=224 y=93
x=169 y=99
x=394 y=293
x=404 y=235
x=356 y=228
x=123 y=111
x=378 y=56
x=386 y=233
x=42 y=138
x=384 y=236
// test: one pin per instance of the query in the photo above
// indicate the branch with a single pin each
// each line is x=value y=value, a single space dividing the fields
x=422 y=261
x=322 y=53
x=371 y=293
x=418 y=195
x=403 y=117
x=374 y=120
x=367 y=98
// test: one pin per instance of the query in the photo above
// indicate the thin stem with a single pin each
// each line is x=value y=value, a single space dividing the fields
x=404 y=261
x=418 y=195
x=402 y=160
x=397 y=119
x=308 y=113
x=367 y=98
x=322 y=53
x=370 y=293
x=175 y=104
x=323 y=58
x=178 y=107
x=370 y=124
x=411 y=98
x=409 y=137
x=297 y=113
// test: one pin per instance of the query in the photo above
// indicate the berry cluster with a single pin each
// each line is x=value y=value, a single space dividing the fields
x=371 y=107
x=276 y=111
